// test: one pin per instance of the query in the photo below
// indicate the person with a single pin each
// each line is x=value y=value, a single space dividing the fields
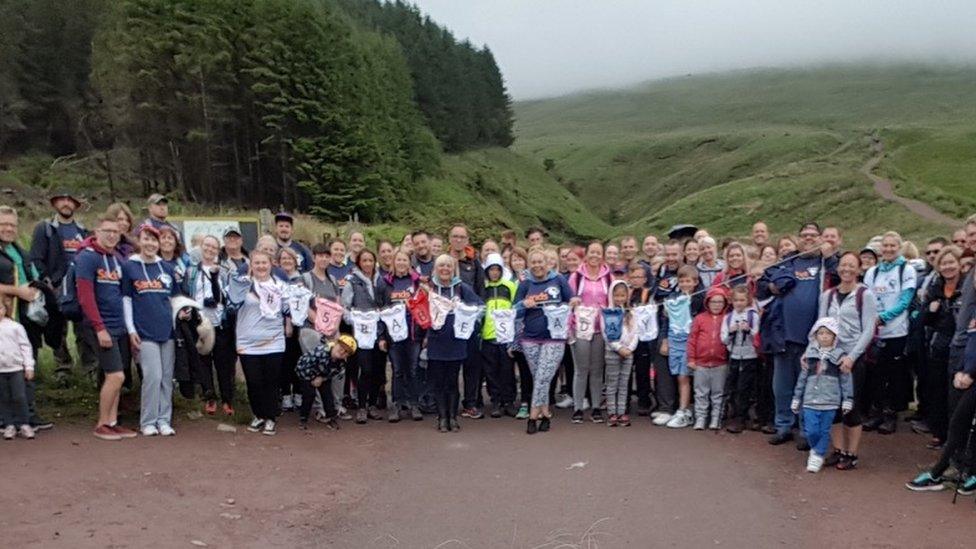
x=509 y=239
x=893 y=283
x=54 y=243
x=357 y=243
x=127 y=241
x=288 y=384
x=739 y=332
x=338 y=268
x=519 y=264
x=665 y=284
x=499 y=296
x=854 y=307
x=16 y=369
x=406 y=244
x=736 y=271
x=158 y=206
x=932 y=249
x=233 y=256
x=171 y=250
x=147 y=284
x=423 y=258
x=959 y=238
x=446 y=351
x=541 y=303
x=619 y=355
x=612 y=256
x=206 y=283
x=708 y=358
x=436 y=246
x=384 y=252
x=939 y=317
x=709 y=266
x=362 y=294
x=767 y=255
x=650 y=248
x=628 y=251
x=316 y=369
x=796 y=284
x=263 y=324
x=536 y=237
x=400 y=285
x=590 y=285
x=284 y=232
x=760 y=234
x=98 y=276
x=470 y=272
x=324 y=286
x=691 y=252
x=489 y=246
x=681 y=308
x=822 y=389
x=869 y=258
x=833 y=242
x=640 y=295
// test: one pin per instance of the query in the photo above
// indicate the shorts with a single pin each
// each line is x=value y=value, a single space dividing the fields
x=113 y=359
x=678 y=357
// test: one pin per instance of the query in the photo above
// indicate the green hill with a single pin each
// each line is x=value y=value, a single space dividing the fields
x=723 y=149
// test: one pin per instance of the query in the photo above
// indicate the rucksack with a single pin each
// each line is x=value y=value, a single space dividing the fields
x=68 y=296
x=858 y=301
x=751 y=315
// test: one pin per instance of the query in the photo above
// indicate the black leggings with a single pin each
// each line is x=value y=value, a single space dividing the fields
x=889 y=378
x=288 y=382
x=740 y=387
x=308 y=398
x=443 y=376
x=525 y=377
x=959 y=433
x=371 y=370
x=223 y=359
x=261 y=372
x=858 y=413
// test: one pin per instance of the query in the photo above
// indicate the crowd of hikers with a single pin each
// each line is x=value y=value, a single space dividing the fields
x=797 y=337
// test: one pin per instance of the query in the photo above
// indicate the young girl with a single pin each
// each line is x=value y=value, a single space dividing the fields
x=680 y=311
x=16 y=369
x=619 y=356
x=739 y=330
x=822 y=389
x=709 y=359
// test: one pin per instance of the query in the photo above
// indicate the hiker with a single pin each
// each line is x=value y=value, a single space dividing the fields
x=400 y=285
x=740 y=330
x=362 y=298
x=708 y=357
x=939 y=316
x=470 y=272
x=499 y=296
x=16 y=369
x=590 y=285
x=284 y=230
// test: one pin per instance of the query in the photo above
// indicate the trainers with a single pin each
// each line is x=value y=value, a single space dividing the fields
x=26 y=431
x=416 y=414
x=472 y=413
x=9 y=432
x=925 y=482
x=814 y=463
x=210 y=407
x=577 y=416
x=256 y=425
x=373 y=414
x=269 y=428
x=123 y=432
x=656 y=413
x=834 y=458
x=286 y=403
x=531 y=427
x=343 y=414
x=662 y=419
x=596 y=416
x=150 y=431
x=103 y=432
x=715 y=424
x=564 y=402
x=393 y=414
x=443 y=425
x=612 y=420
x=166 y=430
x=699 y=423
x=523 y=412
x=734 y=426
x=624 y=420
x=967 y=488
x=41 y=424
x=680 y=420
x=921 y=427
x=455 y=425
x=228 y=409
x=496 y=411
x=296 y=401
x=847 y=462
x=544 y=424
x=361 y=416
x=780 y=438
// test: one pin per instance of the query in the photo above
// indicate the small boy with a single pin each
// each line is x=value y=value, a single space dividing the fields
x=709 y=357
x=821 y=389
x=739 y=332
x=499 y=294
x=16 y=369
x=316 y=371
x=681 y=309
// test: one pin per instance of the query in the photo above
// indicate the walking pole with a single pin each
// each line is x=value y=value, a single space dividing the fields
x=967 y=455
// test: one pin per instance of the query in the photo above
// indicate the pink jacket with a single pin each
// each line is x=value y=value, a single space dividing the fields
x=592 y=292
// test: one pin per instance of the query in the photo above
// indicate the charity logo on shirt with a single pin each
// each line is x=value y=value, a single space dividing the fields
x=162 y=284
x=402 y=295
x=107 y=275
x=504 y=320
x=547 y=296
x=807 y=274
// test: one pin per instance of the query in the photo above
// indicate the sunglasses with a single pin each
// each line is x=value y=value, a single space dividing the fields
x=931 y=252
x=960 y=242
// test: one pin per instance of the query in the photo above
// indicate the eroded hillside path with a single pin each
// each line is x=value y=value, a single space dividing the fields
x=886 y=189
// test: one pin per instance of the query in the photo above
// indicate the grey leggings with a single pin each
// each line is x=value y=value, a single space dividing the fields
x=588 y=359
x=544 y=360
x=157 y=360
x=618 y=381
x=710 y=391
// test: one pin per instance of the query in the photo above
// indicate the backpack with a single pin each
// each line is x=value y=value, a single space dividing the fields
x=858 y=301
x=68 y=296
x=751 y=316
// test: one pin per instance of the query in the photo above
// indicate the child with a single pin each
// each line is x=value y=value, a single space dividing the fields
x=640 y=295
x=709 y=359
x=316 y=370
x=499 y=293
x=16 y=369
x=619 y=356
x=821 y=389
x=739 y=332
x=680 y=310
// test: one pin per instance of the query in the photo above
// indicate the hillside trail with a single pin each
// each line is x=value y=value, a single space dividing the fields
x=886 y=189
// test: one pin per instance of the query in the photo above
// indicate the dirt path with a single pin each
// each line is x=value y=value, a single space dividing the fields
x=886 y=189
x=406 y=486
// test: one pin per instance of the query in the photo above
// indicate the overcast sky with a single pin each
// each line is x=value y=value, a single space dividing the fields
x=552 y=47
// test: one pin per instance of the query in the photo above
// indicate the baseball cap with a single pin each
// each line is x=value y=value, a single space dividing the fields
x=284 y=216
x=157 y=198
x=231 y=230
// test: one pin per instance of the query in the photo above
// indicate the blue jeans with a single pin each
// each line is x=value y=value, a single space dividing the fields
x=816 y=426
x=786 y=370
x=404 y=356
x=678 y=356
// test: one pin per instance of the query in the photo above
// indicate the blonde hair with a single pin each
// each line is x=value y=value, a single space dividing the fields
x=445 y=259
x=909 y=250
x=896 y=236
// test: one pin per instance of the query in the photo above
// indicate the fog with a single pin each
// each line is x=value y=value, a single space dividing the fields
x=553 y=47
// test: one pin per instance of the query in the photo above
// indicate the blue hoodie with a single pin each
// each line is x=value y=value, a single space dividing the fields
x=799 y=281
x=441 y=344
x=551 y=290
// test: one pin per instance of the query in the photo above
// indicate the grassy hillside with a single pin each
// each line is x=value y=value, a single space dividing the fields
x=769 y=143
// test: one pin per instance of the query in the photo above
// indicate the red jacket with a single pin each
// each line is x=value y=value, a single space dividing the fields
x=705 y=347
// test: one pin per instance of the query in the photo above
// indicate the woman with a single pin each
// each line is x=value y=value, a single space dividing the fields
x=736 y=269
x=406 y=244
x=786 y=246
x=709 y=266
x=399 y=285
x=692 y=252
x=289 y=384
x=543 y=350
x=590 y=285
x=385 y=251
x=263 y=324
x=445 y=352
x=853 y=305
x=127 y=242
x=147 y=284
x=171 y=251
x=889 y=380
x=958 y=437
x=939 y=317
x=206 y=283
x=362 y=294
x=767 y=255
x=612 y=256
x=518 y=264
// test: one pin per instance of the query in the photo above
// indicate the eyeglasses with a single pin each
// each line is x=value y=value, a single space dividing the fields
x=931 y=252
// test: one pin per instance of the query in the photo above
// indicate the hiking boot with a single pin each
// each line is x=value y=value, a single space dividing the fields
x=361 y=416
x=968 y=487
x=416 y=414
x=596 y=416
x=925 y=482
x=103 y=432
x=531 y=427
x=496 y=411
x=734 y=426
x=523 y=412
x=780 y=438
x=544 y=424
x=577 y=416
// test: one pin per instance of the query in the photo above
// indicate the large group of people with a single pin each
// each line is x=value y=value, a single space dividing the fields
x=798 y=338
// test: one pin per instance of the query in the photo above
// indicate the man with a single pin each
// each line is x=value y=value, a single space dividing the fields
x=158 y=206
x=650 y=247
x=628 y=250
x=233 y=256
x=357 y=243
x=423 y=259
x=797 y=284
x=436 y=246
x=932 y=249
x=666 y=285
x=284 y=228
x=536 y=237
x=959 y=238
x=509 y=238
x=471 y=273
x=98 y=277
x=53 y=247
x=760 y=234
x=16 y=289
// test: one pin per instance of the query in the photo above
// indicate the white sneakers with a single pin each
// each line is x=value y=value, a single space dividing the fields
x=680 y=420
x=661 y=419
x=149 y=431
x=256 y=425
x=296 y=401
x=699 y=424
x=286 y=403
x=10 y=432
x=814 y=463
x=565 y=401
x=165 y=430
x=26 y=431
x=269 y=428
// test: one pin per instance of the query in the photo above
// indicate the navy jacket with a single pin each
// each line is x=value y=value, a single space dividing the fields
x=441 y=344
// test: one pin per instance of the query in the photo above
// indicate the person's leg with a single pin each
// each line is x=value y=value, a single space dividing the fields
x=453 y=394
x=150 y=356
x=473 y=373
x=623 y=384
x=642 y=376
x=937 y=370
x=732 y=390
x=811 y=427
x=612 y=361
x=718 y=381
x=765 y=406
x=350 y=380
x=665 y=387
x=225 y=362
x=702 y=387
x=62 y=356
x=17 y=387
x=547 y=359
x=581 y=360
x=490 y=366
x=271 y=366
x=894 y=372
x=959 y=426
x=784 y=381
x=252 y=379
x=308 y=397
x=437 y=378
x=6 y=399
x=506 y=377
x=168 y=355
x=364 y=384
x=596 y=369
x=399 y=364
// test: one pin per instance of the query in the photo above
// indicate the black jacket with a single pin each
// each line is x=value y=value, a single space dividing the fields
x=47 y=251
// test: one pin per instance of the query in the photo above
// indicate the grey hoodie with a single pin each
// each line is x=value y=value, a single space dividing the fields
x=821 y=385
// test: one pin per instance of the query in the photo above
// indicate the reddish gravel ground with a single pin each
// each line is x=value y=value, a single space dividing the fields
x=406 y=486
